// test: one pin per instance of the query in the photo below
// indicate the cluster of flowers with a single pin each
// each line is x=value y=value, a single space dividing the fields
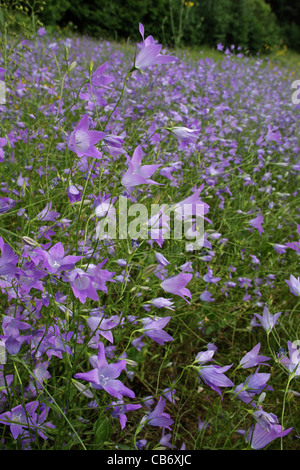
x=38 y=265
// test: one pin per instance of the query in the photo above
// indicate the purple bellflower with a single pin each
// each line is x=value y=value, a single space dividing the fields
x=294 y=285
x=185 y=134
x=295 y=245
x=252 y=358
x=57 y=261
x=267 y=320
x=8 y=260
x=104 y=375
x=21 y=418
x=161 y=302
x=212 y=375
x=3 y=142
x=153 y=328
x=176 y=285
x=82 y=141
x=82 y=285
x=119 y=408
x=137 y=173
x=265 y=431
x=150 y=53
x=257 y=223
x=157 y=417
x=47 y=215
x=209 y=278
x=292 y=363
x=253 y=385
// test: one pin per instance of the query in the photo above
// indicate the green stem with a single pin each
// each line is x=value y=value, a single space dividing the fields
x=291 y=376
x=120 y=97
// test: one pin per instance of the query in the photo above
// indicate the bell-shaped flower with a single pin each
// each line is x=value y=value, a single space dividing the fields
x=150 y=53
x=266 y=430
x=104 y=375
x=137 y=173
x=153 y=328
x=267 y=320
x=294 y=285
x=176 y=285
x=185 y=134
x=158 y=417
x=56 y=260
x=82 y=141
x=252 y=358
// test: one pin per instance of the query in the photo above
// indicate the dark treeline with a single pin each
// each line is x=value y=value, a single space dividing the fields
x=255 y=25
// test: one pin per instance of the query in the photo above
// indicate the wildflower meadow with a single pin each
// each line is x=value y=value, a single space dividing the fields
x=149 y=242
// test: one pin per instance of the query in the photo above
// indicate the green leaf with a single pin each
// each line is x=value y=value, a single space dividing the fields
x=102 y=430
x=2 y=20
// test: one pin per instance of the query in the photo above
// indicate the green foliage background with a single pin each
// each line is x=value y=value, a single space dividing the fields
x=254 y=25
x=250 y=24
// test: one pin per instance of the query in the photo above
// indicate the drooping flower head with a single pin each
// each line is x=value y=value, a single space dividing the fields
x=266 y=430
x=176 y=285
x=185 y=134
x=158 y=417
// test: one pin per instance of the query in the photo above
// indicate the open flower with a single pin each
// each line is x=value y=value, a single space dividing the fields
x=82 y=141
x=157 y=417
x=137 y=173
x=265 y=431
x=153 y=328
x=267 y=320
x=24 y=417
x=55 y=259
x=104 y=375
x=176 y=285
x=253 y=385
x=252 y=358
x=150 y=53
